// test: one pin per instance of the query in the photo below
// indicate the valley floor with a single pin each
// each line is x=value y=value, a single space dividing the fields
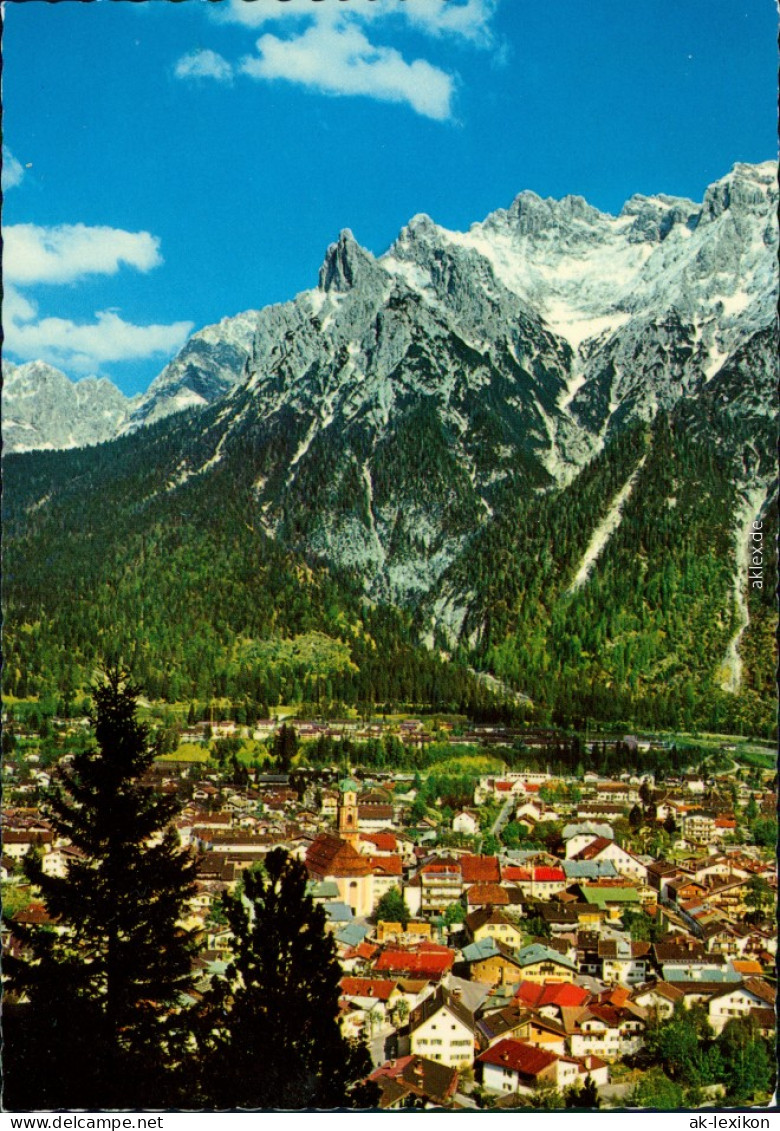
x=511 y=933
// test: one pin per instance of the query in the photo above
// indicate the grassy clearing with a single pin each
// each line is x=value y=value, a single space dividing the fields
x=756 y=758
x=476 y=765
x=187 y=752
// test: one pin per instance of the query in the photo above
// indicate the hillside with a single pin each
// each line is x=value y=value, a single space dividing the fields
x=538 y=446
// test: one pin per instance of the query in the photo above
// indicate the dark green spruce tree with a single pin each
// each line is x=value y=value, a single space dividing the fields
x=270 y=1037
x=285 y=747
x=93 y=1017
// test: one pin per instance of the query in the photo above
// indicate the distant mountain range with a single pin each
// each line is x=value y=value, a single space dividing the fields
x=44 y=409
x=492 y=430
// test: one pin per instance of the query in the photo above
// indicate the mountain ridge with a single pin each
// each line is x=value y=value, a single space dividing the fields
x=44 y=409
x=420 y=425
x=216 y=357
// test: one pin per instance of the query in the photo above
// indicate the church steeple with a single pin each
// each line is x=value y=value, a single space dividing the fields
x=347 y=812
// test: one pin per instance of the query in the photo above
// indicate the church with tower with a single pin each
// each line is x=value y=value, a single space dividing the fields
x=336 y=856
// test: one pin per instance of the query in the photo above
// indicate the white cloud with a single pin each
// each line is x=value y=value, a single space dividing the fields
x=204 y=65
x=339 y=59
x=469 y=19
x=63 y=254
x=16 y=308
x=83 y=347
x=324 y=45
x=255 y=13
x=35 y=255
x=13 y=170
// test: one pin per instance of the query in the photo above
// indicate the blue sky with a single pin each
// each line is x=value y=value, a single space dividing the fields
x=167 y=165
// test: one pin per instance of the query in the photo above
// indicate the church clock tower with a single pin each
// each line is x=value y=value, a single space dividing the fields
x=347 y=812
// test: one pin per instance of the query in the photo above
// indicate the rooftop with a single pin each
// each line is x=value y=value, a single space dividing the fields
x=517 y=1056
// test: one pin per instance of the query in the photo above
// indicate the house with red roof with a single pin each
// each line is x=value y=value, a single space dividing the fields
x=388 y=873
x=540 y=882
x=426 y=962
x=626 y=864
x=547 y=881
x=480 y=870
x=378 y=844
x=368 y=989
x=356 y=958
x=441 y=883
x=515 y=874
x=364 y=1001
x=725 y=823
x=549 y=998
x=516 y=1066
x=609 y=1029
x=747 y=967
x=36 y=915
x=487 y=895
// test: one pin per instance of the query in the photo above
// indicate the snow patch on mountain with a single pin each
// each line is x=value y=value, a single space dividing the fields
x=588 y=273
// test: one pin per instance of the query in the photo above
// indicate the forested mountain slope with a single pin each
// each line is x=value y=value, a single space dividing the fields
x=539 y=446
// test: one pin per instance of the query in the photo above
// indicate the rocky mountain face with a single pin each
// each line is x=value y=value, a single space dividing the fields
x=42 y=408
x=688 y=282
x=207 y=366
x=393 y=406
x=392 y=419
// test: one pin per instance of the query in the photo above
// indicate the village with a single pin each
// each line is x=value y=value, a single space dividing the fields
x=516 y=949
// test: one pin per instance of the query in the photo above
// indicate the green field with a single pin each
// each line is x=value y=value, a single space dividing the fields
x=757 y=758
x=188 y=752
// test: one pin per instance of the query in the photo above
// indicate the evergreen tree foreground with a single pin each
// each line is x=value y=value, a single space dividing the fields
x=97 y=1015
x=269 y=1034
x=93 y=1003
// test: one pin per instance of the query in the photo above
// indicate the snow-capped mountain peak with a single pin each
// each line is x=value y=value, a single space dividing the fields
x=543 y=277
